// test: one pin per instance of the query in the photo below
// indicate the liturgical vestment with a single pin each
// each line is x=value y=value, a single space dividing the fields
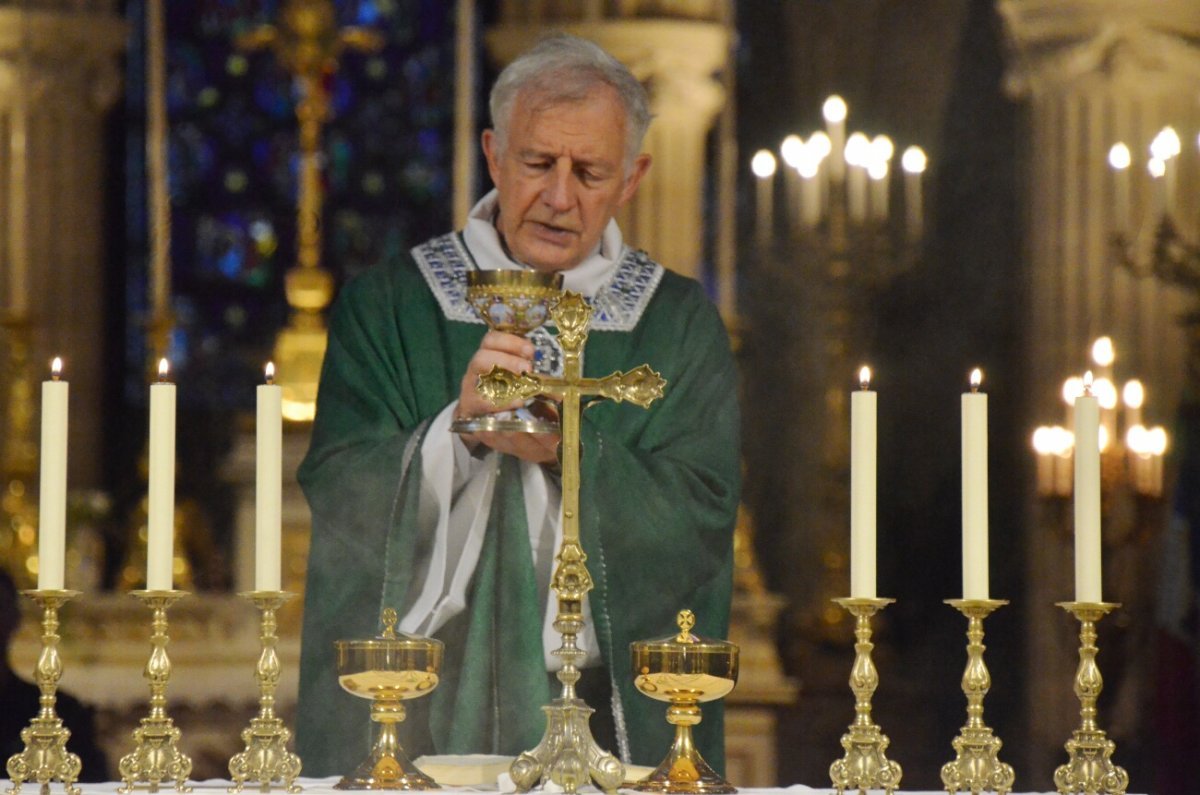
x=659 y=492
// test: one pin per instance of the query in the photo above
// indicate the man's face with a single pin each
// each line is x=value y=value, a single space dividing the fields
x=561 y=177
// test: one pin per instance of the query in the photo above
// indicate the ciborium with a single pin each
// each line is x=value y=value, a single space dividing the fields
x=389 y=669
x=684 y=670
x=515 y=302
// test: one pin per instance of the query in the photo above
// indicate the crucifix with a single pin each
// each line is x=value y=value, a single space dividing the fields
x=568 y=755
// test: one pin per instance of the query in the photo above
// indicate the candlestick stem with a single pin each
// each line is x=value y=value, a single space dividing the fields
x=865 y=765
x=976 y=767
x=46 y=758
x=1089 y=769
x=266 y=758
x=155 y=757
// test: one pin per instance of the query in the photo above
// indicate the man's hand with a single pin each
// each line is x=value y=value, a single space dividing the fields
x=513 y=353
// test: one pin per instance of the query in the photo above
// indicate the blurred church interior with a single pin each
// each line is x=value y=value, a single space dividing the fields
x=160 y=211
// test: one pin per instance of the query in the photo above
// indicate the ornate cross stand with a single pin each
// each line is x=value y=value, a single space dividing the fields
x=567 y=754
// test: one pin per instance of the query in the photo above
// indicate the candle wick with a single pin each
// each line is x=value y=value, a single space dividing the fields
x=974 y=388
x=270 y=380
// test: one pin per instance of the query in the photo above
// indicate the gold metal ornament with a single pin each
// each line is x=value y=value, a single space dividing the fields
x=1089 y=769
x=865 y=765
x=515 y=302
x=388 y=669
x=156 y=757
x=46 y=758
x=266 y=758
x=976 y=767
x=568 y=754
x=685 y=671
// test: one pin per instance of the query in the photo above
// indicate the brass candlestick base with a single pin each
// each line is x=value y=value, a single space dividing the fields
x=684 y=670
x=976 y=768
x=155 y=757
x=864 y=766
x=1090 y=770
x=388 y=669
x=45 y=758
x=266 y=758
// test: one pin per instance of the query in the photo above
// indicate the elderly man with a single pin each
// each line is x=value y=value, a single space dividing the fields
x=458 y=533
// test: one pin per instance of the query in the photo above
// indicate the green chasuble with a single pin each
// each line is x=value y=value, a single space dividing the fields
x=657 y=506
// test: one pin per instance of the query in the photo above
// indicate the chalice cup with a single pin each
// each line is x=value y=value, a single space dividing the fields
x=389 y=670
x=684 y=670
x=516 y=302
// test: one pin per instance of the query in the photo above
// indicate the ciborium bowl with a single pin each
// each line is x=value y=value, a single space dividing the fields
x=515 y=302
x=685 y=671
x=388 y=669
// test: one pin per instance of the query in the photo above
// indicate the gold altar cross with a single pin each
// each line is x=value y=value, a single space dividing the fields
x=568 y=739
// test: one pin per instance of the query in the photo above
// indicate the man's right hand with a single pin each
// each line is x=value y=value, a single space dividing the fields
x=498 y=348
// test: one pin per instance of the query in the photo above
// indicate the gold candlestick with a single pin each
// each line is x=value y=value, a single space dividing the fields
x=568 y=755
x=864 y=766
x=976 y=767
x=1089 y=770
x=46 y=757
x=266 y=758
x=155 y=757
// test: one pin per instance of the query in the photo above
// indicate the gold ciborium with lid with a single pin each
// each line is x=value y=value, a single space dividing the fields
x=685 y=670
x=389 y=670
x=515 y=302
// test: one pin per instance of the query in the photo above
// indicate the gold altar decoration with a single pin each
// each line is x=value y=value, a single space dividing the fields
x=18 y=509
x=516 y=302
x=156 y=757
x=568 y=754
x=976 y=767
x=865 y=765
x=684 y=670
x=389 y=670
x=46 y=758
x=266 y=758
x=307 y=42
x=1089 y=769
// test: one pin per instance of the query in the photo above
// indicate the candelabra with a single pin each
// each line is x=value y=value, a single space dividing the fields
x=839 y=241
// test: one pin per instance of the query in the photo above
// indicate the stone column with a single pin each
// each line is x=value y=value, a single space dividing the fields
x=1093 y=73
x=59 y=73
x=678 y=59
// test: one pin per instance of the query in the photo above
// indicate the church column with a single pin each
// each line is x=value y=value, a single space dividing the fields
x=1094 y=73
x=678 y=60
x=59 y=73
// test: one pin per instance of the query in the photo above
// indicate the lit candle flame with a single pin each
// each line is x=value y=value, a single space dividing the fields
x=270 y=372
x=976 y=379
x=1134 y=394
x=1087 y=383
x=1103 y=352
x=864 y=377
x=163 y=369
x=56 y=368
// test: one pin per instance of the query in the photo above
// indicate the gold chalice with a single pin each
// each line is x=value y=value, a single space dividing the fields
x=684 y=670
x=515 y=302
x=389 y=670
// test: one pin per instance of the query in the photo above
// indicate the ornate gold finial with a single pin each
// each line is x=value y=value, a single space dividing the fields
x=686 y=620
x=389 y=622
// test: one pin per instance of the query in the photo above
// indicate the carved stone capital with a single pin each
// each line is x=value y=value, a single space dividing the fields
x=1058 y=44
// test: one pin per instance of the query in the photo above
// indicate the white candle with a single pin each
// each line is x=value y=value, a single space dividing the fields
x=1087 y=495
x=160 y=540
x=763 y=165
x=914 y=162
x=835 y=110
x=268 y=484
x=862 y=489
x=1120 y=159
x=975 y=491
x=52 y=513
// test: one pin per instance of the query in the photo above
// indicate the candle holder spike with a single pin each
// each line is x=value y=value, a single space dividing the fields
x=266 y=758
x=46 y=758
x=156 y=757
x=1089 y=769
x=977 y=767
x=865 y=765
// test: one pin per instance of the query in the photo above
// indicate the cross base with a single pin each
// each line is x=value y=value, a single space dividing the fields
x=568 y=754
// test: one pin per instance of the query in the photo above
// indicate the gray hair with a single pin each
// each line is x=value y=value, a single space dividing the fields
x=565 y=68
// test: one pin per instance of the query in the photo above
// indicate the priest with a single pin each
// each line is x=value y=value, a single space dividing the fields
x=458 y=532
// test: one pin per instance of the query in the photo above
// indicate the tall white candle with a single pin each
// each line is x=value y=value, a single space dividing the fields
x=835 y=110
x=862 y=488
x=268 y=484
x=1087 y=495
x=763 y=165
x=52 y=513
x=160 y=542
x=914 y=162
x=975 y=490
